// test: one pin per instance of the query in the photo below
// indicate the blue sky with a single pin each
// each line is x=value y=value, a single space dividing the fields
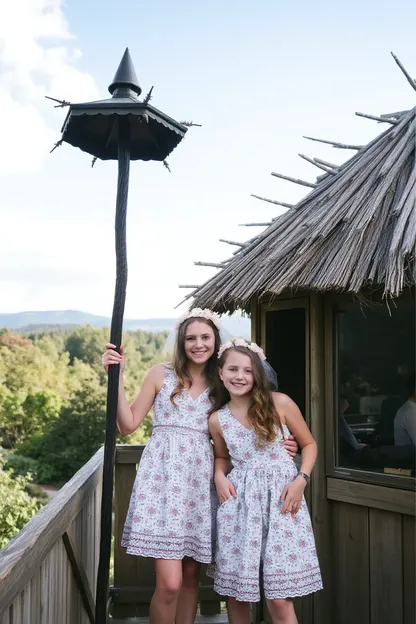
x=256 y=76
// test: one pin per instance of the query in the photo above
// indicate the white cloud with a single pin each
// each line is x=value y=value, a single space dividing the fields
x=38 y=57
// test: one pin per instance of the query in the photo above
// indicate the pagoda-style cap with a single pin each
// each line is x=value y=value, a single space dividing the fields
x=94 y=127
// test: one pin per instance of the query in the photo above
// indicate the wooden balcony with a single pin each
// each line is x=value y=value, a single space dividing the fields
x=48 y=571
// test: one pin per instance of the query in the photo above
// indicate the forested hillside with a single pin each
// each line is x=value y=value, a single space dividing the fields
x=52 y=408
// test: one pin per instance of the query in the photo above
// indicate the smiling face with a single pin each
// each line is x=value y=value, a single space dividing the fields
x=199 y=342
x=237 y=373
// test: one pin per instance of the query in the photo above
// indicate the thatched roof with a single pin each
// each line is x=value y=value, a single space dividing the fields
x=355 y=230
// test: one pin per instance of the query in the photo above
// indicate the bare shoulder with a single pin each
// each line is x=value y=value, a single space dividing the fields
x=214 y=423
x=156 y=375
x=285 y=406
x=157 y=371
x=282 y=400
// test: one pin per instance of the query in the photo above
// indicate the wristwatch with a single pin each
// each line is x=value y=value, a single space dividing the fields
x=304 y=475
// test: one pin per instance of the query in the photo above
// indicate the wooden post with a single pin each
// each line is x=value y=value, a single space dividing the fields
x=113 y=373
x=320 y=507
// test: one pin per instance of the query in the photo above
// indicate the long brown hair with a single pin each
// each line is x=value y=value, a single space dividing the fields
x=180 y=360
x=261 y=414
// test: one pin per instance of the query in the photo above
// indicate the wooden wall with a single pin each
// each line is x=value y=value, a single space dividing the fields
x=374 y=565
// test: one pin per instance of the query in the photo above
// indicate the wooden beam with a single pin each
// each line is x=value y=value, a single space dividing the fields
x=242 y=245
x=389 y=120
x=80 y=576
x=256 y=224
x=294 y=180
x=129 y=453
x=210 y=264
x=326 y=163
x=375 y=496
x=409 y=79
x=273 y=201
x=397 y=114
x=319 y=165
x=334 y=144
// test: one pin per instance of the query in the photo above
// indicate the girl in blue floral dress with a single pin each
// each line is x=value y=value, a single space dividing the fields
x=263 y=520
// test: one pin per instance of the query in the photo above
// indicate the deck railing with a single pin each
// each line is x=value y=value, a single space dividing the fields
x=48 y=571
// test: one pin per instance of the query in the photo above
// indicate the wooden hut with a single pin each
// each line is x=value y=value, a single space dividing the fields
x=330 y=286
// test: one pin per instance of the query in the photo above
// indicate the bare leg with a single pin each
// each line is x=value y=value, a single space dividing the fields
x=168 y=586
x=187 y=604
x=238 y=612
x=282 y=611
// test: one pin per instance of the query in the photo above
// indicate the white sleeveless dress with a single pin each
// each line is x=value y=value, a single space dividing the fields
x=252 y=531
x=173 y=503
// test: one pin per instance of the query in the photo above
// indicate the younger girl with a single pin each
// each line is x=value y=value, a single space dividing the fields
x=263 y=518
x=172 y=508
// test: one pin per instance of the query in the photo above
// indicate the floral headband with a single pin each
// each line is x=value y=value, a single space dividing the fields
x=240 y=342
x=207 y=314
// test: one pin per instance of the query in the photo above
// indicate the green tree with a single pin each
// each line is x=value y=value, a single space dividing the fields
x=17 y=506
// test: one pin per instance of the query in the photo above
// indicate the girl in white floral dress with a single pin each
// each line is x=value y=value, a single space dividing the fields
x=173 y=503
x=263 y=519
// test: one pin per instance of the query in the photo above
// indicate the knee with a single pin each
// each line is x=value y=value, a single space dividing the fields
x=281 y=608
x=169 y=588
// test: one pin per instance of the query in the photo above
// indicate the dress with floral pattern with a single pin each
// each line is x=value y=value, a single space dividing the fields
x=251 y=529
x=173 y=502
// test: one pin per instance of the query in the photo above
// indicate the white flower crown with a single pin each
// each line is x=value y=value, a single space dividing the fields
x=200 y=313
x=240 y=342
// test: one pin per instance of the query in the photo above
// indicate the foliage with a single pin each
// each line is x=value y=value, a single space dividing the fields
x=17 y=506
x=53 y=396
x=21 y=465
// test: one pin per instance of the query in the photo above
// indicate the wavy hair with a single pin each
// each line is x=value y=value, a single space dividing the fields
x=262 y=413
x=180 y=360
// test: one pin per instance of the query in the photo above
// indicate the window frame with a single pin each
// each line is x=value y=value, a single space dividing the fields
x=331 y=393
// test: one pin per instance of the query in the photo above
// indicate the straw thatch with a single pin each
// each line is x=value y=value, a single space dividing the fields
x=355 y=230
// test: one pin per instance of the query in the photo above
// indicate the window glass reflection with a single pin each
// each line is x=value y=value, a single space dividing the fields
x=376 y=397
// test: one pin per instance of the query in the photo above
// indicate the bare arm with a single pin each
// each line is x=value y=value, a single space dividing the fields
x=291 y=416
x=225 y=489
x=130 y=417
x=293 y=419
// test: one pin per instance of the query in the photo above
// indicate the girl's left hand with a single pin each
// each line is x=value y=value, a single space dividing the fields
x=292 y=495
x=291 y=446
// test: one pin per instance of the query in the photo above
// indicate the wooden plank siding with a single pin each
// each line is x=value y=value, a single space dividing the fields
x=37 y=581
x=374 y=565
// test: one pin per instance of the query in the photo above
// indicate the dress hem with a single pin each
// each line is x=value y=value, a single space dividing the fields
x=163 y=554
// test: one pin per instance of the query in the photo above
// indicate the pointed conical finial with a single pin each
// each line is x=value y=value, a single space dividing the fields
x=125 y=81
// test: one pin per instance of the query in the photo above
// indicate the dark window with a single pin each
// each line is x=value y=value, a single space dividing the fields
x=375 y=398
x=286 y=351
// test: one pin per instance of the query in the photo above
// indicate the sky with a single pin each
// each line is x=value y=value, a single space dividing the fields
x=257 y=76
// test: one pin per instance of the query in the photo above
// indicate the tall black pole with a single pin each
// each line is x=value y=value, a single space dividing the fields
x=113 y=373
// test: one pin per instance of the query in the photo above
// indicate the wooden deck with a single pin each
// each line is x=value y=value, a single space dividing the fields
x=201 y=619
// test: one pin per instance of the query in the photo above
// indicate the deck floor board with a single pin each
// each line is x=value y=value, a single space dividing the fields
x=201 y=619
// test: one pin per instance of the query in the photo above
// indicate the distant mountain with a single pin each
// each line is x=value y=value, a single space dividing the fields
x=49 y=319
